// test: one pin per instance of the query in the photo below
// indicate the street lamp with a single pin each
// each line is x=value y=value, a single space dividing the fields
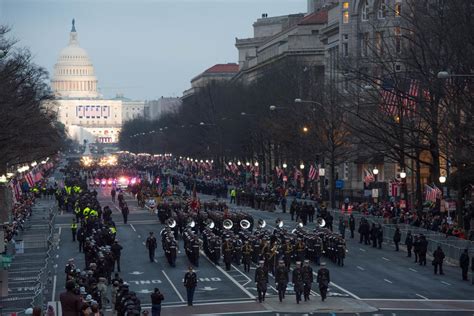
x=285 y=165
x=445 y=75
x=239 y=163
x=442 y=179
x=273 y=107
x=376 y=172
x=230 y=163
x=403 y=174
x=305 y=129
x=302 y=166
x=202 y=123
x=247 y=163
x=256 y=163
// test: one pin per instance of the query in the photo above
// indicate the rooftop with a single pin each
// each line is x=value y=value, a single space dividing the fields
x=318 y=17
x=223 y=68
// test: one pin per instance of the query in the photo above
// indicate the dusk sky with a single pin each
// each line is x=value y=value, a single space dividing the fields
x=141 y=48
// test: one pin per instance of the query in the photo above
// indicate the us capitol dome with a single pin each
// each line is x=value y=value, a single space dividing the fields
x=74 y=73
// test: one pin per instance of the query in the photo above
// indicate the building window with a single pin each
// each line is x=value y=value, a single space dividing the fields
x=345 y=17
x=398 y=9
x=382 y=12
x=398 y=67
x=398 y=39
x=345 y=12
x=365 y=11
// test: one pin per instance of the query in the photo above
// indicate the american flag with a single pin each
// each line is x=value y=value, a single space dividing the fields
x=369 y=177
x=394 y=188
x=393 y=98
x=313 y=173
x=432 y=193
x=297 y=174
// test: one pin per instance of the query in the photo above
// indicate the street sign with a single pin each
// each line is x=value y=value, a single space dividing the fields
x=375 y=193
x=339 y=184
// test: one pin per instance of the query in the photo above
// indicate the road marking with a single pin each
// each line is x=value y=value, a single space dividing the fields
x=411 y=269
x=131 y=225
x=229 y=277
x=360 y=268
x=445 y=283
x=143 y=243
x=155 y=260
x=139 y=236
x=385 y=259
x=423 y=297
x=54 y=288
x=172 y=285
x=362 y=249
x=387 y=281
x=342 y=289
x=57 y=256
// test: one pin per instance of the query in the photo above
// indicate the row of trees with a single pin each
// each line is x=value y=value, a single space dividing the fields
x=28 y=130
x=387 y=101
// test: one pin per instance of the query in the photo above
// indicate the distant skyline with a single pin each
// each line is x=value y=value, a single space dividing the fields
x=144 y=49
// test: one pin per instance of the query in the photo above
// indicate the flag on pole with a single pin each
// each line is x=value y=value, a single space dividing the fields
x=432 y=193
x=313 y=173
x=369 y=177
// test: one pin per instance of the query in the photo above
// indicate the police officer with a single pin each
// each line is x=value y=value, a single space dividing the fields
x=341 y=252
x=73 y=229
x=116 y=250
x=298 y=282
x=307 y=279
x=190 y=282
x=247 y=255
x=323 y=280
x=151 y=246
x=281 y=279
x=261 y=279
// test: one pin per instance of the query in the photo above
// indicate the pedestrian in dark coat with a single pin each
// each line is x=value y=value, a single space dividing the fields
x=396 y=238
x=438 y=260
x=464 y=264
x=151 y=245
x=70 y=302
x=352 y=225
x=380 y=235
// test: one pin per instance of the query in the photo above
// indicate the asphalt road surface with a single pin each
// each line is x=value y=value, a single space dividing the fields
x=372 y=282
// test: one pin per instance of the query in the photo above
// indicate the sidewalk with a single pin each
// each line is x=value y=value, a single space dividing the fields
x=24 y=272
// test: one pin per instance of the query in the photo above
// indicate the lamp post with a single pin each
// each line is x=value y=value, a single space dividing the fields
x=442 y=180
x=403 y=175
x=376 y=172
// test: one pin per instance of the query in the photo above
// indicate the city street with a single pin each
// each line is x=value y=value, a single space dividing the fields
x=372 y=282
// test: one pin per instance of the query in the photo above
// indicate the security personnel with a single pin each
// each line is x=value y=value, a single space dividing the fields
x=261 y=280
x=307 y=279
x=409 y=243
x=323 y=280
x=298 y=282
x=281 y=279
x=341 y=252
x=151 y=246
x=190 y=282
x=227 y=251
x=73 y=229
x=247 y=255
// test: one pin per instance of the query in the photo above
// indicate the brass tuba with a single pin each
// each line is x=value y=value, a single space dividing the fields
x=321 y=222
x=244 y=224
x=279 y=223
x=171 y=223
x=209 y=223
x=261 y=223
x=227 y=224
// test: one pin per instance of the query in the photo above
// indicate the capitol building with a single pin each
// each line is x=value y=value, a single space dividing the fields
x=86 y=115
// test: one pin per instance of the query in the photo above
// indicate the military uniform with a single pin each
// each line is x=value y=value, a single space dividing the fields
x=307 y=279
x=323 y=281
x=281 y=279
x=261 y=279
x=298 y=282
x=247 y=256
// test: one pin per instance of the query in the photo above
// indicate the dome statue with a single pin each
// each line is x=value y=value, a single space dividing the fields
x=74 y=73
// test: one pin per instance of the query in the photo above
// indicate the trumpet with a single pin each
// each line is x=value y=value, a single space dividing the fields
x=244 y=224
x=227 y=224
x=279 y=223
x=261 y=223
x=171 y=223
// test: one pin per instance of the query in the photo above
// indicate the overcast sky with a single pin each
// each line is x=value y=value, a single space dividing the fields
x=142 y=48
